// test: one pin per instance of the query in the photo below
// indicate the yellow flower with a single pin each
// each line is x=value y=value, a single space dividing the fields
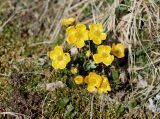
x=118 y=50
x=93 y=81
x=96 y=83
x=78 y=79
x=59 y=58
x=78 y=35
x=67 y=22
x=103 y=55
x=105 y=86
x=88 y=53
x=74 y=70
x=96 y=33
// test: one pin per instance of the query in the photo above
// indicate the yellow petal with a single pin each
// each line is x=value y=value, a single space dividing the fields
x=91 y=35
x=80 y=43
x=72 y=19
x=104 y=89
x=104 y=49
x=94 y=79
x=78 y=79
x=108 y=88
x=97 y=58
x=120 y=55
x=103 y=36
x=105 y=83
x=91 y=88
x=105 y=86
x=100 y=27
x=97 y=41
x=55 y=64
x=68 y=21
x=118 y=50
x=71 y=39
x=80 y=27
x=70 y=30
x=108 y=60
x=85 y=35
x=101 y=90
x=92 y=74
x=63 y=60
x=94 y=38
x=57 y=50
x=61 y=64
x=81 y=32
x=94 y=27
x=67 y=57
x=52 y=55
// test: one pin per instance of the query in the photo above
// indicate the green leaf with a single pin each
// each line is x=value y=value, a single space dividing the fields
x=70 y=83
x=132 y=105
x=90 y=65
x=115 y=74
x=62 y=102
x=116 y=84
x=70 y=108
x=88 y=11
x=120 y=109
x=123 y=8
x=2 y=17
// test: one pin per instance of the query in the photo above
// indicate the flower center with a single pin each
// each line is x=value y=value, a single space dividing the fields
x=60 y=57
x=97 y=33
x=78 y=35
x=117 y=52
x=104 y=55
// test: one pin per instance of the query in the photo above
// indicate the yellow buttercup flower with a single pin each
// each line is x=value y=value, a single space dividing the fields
x=74 y=70
x=78 y=79
x=67 y=22
x=93 y=81
x=105 y=85
x=88 y=53
x=59 y=58
x=118 y=50
x=97 y=83
x=96 y=33
x=78 y=35
x=103 y=55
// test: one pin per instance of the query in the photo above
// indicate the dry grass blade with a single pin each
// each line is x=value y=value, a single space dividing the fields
x=14 y=114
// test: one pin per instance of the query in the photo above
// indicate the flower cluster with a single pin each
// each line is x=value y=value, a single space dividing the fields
x=95 y=82
x=79 y=35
